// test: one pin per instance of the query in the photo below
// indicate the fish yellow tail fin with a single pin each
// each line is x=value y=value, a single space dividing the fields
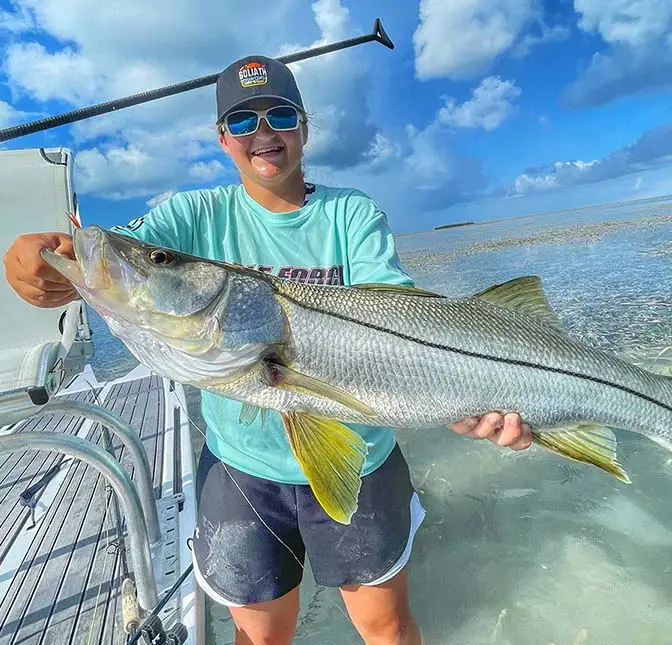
x=588 y=443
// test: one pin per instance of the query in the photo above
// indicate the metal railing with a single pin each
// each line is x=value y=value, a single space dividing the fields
x=131 y=441
x=120 y=481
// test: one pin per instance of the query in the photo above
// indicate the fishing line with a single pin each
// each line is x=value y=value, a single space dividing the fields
x=261 y=519
x=245 y=497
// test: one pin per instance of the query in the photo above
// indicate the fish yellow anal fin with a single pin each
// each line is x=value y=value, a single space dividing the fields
x=524 y=295
x=289 y=379
x=331 y=456
x=588 y=443
x=399 y=289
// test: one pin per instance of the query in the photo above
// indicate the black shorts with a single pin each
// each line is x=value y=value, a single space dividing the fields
x=238 y=561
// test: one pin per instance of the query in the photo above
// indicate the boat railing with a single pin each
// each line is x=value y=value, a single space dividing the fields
x=120 y=481
x=131 y=440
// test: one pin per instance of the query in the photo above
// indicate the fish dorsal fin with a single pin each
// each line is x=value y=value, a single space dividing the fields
x=524 y=295
x=400 y=289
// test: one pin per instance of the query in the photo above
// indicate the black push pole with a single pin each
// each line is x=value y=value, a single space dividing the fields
x=378 y=34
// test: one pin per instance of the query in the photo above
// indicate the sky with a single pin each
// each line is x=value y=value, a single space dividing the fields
x=484 y=109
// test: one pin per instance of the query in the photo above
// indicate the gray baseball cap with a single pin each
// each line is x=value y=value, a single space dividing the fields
x=255 y=77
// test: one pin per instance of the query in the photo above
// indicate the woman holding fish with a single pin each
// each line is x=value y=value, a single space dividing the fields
x=257 y=516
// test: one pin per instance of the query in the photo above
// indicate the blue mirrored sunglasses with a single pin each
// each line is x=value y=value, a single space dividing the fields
x=281 y=118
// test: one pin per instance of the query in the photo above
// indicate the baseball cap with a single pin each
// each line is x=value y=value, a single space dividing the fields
x=255 y=77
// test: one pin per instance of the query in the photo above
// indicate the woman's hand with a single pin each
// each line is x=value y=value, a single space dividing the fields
x=502 y=429
x=31 y=277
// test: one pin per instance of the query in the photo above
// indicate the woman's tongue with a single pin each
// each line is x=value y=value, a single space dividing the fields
x=267 y=160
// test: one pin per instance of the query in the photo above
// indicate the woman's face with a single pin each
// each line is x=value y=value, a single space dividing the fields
x=266 y=157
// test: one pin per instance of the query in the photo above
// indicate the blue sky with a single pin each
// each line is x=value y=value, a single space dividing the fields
x=485 y=109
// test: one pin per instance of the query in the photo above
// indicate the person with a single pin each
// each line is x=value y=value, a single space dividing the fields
x=257 y=517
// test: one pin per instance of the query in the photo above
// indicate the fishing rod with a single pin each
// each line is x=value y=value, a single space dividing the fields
x=378 y=34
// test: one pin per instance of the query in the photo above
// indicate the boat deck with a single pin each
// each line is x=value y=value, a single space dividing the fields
x=61 y=567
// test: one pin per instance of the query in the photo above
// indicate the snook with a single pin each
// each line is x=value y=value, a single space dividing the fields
x=373 y=354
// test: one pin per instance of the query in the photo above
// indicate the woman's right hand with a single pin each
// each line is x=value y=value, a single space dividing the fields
x=31 y=277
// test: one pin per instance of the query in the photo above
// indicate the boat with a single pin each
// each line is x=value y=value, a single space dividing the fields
x=97 y=478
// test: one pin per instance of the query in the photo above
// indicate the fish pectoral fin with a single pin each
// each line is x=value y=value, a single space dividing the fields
x=289 y=379
x=399 y=289
x=331 y=456
x=585 y=442
x=248 y=413
x=524 y=295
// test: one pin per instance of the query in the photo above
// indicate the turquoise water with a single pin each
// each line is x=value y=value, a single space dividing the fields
x=528 y=548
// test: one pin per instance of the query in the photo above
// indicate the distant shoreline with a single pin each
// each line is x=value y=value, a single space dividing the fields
x=438 y=228
x=539 y=214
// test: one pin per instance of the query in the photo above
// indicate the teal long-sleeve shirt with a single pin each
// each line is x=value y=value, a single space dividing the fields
x=340 y=236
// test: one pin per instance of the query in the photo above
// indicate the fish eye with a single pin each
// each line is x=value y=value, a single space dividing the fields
x=159 y=256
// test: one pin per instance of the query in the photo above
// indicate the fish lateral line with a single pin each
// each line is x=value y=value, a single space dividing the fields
x=465 y=352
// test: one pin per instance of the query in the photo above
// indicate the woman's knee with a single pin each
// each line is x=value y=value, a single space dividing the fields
x=391 y=627
x=267 y=623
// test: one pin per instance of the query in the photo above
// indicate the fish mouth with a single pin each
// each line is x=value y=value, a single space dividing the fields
x=64 y=265
x=95 y=267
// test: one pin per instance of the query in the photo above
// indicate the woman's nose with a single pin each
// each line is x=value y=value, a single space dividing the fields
x=264 y=128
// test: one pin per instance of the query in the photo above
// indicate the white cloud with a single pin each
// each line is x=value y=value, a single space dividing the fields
x=631 y=22
x=527 y=183
x=382 y=151
x=461 y=38
x=332 y=18
x=9 y=116
x=652 y=150
x=563 y=173
x=44 y=76
x=492 y=102
x=158 y=199
x=638 y=57
x=142 y=161
x=554 y=34
x=16 y=21
x=206 y=171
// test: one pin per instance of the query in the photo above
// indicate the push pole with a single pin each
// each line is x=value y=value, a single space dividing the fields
x=378 y=34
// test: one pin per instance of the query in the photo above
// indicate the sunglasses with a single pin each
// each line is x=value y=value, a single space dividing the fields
x=281 y=118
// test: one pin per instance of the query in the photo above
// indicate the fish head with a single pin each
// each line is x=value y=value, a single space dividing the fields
x=181 y=315
x=133 y=283
x=134 y=278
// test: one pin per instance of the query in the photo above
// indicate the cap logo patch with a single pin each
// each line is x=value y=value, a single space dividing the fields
x=253 y=74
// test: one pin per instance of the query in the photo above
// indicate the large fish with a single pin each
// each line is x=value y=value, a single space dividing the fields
x=373 y=354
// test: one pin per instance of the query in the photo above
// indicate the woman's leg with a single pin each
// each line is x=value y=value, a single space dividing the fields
x=267 y=623
x=367 y=559
x=250 y=561
x=381 y=613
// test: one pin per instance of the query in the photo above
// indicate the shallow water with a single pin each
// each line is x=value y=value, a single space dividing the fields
x=529 y=548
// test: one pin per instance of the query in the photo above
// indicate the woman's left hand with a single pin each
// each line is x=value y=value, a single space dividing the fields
x=504 y=430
